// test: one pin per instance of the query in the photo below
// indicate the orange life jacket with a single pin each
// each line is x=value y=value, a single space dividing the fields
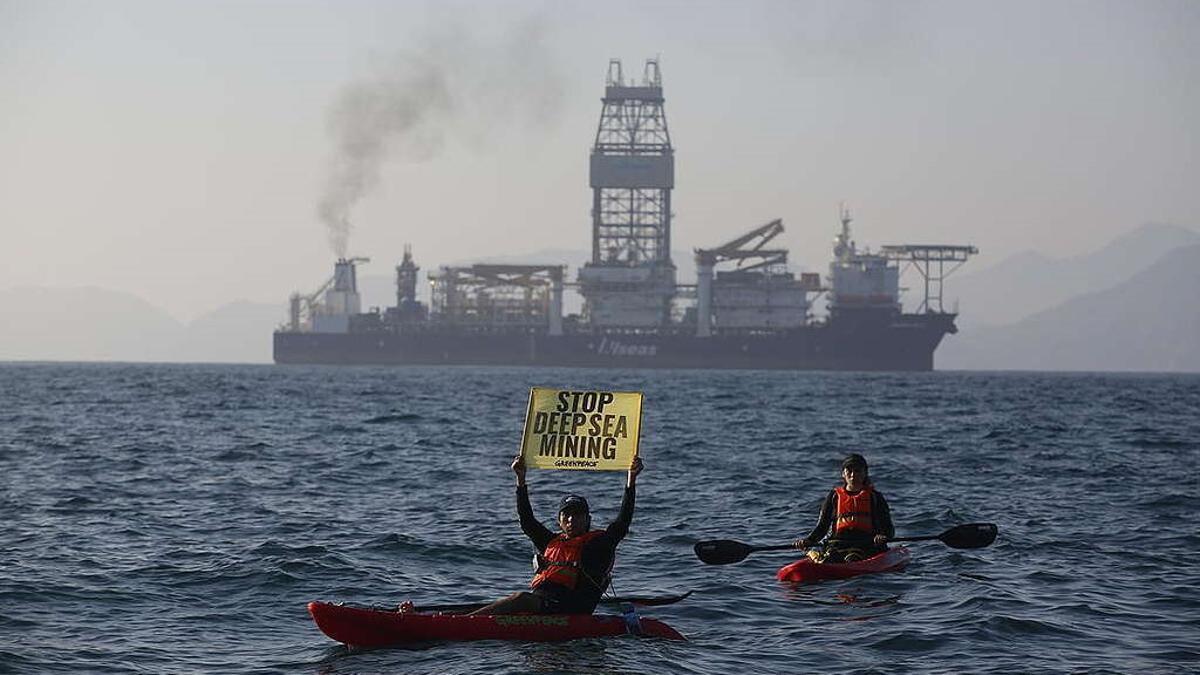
x=562 y=560
x=853 y=512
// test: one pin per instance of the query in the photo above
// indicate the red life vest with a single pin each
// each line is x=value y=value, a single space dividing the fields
x=853 y=512
x=561 y=561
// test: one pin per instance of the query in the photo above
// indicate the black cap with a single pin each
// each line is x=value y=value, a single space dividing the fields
x=856 y=460
x=573 y=503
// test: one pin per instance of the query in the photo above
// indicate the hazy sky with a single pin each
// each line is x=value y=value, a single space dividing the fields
x=185 y=151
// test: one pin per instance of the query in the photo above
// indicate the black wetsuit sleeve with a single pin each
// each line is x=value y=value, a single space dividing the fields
x=537 y=532
x=883 y=517
x=620 y=527
x=824 y=521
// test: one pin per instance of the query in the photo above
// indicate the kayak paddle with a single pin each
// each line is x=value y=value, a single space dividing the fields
x=645 y=601
x=726 y=551
x=971 y=535
x=649 y=601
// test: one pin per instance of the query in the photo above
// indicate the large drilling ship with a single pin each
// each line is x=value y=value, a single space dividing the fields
x=745 y=310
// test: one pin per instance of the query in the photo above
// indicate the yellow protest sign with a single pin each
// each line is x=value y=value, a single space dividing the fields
x=581 y=430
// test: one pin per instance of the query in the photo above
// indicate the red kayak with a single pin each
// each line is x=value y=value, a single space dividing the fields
x=362 y=627
x=808 y=571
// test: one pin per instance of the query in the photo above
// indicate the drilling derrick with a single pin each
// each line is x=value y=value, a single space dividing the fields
x=630 y=281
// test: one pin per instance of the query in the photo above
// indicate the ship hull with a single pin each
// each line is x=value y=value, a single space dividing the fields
x=904 y=343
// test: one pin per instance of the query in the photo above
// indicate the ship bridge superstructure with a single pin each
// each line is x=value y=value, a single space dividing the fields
x=630 y=280
x=860 y=280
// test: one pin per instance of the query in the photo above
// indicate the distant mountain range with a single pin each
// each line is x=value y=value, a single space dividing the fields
x=1028 y=282
x=94 y=324
x=1132 y=305
x=1149 y=322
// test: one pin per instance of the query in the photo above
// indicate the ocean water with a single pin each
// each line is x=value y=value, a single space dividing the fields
x=174 y=518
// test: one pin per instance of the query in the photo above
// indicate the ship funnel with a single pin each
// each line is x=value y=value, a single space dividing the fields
x=341 y=299
x=344 y=278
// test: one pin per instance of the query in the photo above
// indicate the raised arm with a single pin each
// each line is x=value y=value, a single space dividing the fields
x=537 y=533
x=518 y=468
x=619 y=527
x=634 y=469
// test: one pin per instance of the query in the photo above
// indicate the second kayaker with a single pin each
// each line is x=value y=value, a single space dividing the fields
x=854 y=515
x=575 y=564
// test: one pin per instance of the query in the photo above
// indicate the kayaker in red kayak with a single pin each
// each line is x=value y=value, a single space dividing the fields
x=575 y=564
x=858 y=515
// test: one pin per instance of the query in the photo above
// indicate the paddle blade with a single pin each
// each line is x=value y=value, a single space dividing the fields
x=653 y=602
x=722 y=551
x=971 y=535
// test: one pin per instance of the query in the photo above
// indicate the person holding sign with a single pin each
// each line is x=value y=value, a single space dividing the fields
x=858 y=515
x=574 y=564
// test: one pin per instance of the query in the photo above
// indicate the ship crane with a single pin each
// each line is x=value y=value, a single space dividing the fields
x=749 y=252
x=736 y=249
x=313 y=298
x=300 y=307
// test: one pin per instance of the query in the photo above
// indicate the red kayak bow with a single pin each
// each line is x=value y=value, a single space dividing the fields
x=363 y=627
